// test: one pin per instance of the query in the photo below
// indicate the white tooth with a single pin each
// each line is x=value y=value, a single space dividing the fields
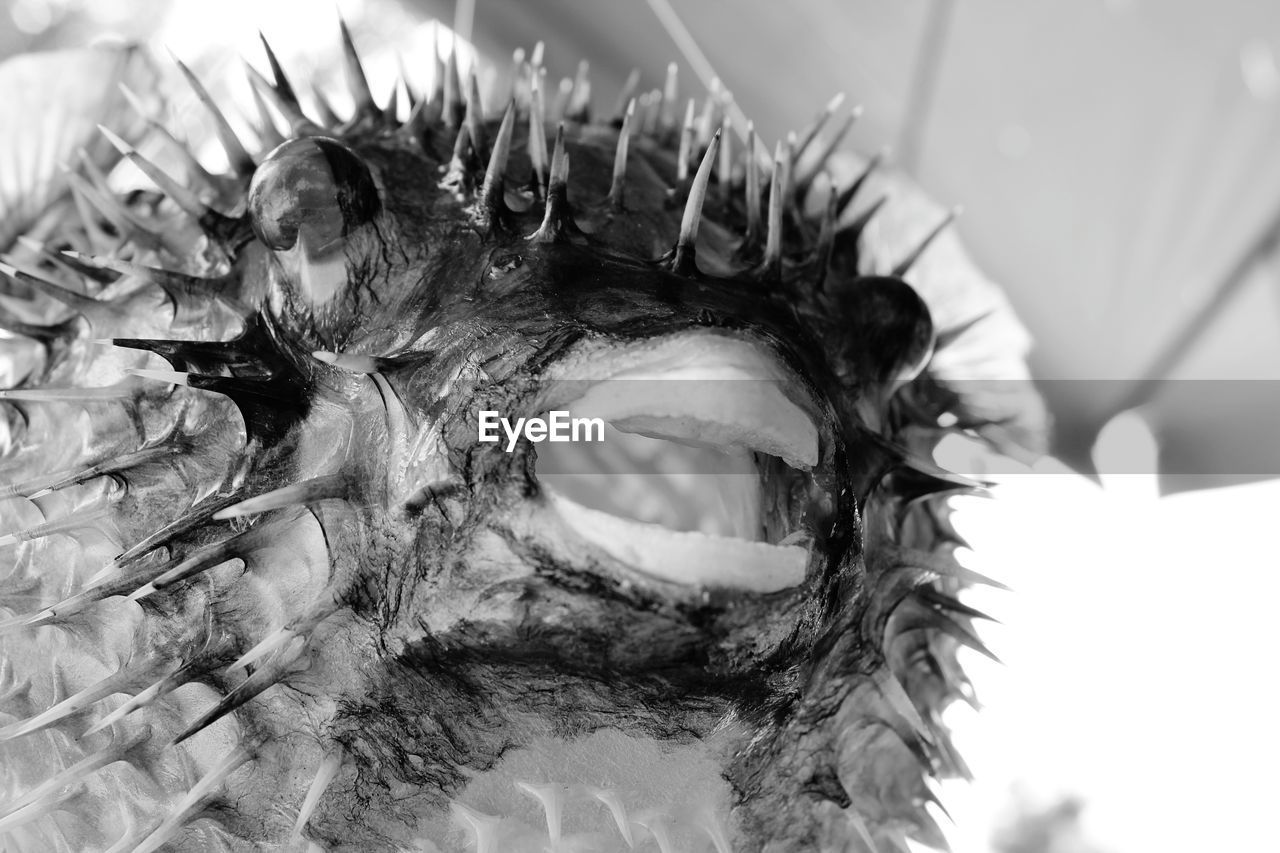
x=712 y=826
x=692 y=559
x=484 y=826
x=659 y=827
x=700 y=388
x=551 y=796
x=618 y=810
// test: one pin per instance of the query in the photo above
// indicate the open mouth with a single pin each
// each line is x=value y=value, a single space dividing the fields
x=704 y=476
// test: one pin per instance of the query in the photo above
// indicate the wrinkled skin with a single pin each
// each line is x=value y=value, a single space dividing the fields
x=450 y=634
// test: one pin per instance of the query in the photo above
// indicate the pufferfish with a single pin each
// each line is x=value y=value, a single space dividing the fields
x=265 y=587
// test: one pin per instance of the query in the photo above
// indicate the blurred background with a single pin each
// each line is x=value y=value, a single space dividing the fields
x=1116 y=165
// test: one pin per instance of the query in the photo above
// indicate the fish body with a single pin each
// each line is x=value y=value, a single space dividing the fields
x=270 y=589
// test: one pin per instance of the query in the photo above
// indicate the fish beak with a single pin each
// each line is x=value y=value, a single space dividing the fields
x=704 y=478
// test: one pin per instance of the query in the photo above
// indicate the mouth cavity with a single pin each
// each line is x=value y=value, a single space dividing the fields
x=704 y=475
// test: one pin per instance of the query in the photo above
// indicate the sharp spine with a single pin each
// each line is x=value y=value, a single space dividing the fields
x=412 y=96
x=707 y=119
x=125 y=220
x=357 y=83
x=847 y=194
x=904 y=266
x=560 y=107
x=960 y=634
x=44 y=485
x=67 y=395
x=328 y=117
x=198 y=515
x=683 y=258
x=778 y=190
x=438 y=69
x=86 y=305
x=199 y=560
x=578 y=107
x=176 y=284
x=260 y=680
x=724 y=169
x=458 y=174
x=99 y=239
x=114 y=214
x=281 y=85
x=45 y=334
x=241 y=162
x=170 y=826
x=519 y=68
x=649 y=105
x=946 y=567
x=209 y=219
x=421 y=118
x=351 y=363
x=475 y=117
x=123 y=680
x=74 y=520
x=118 y=750
x=860 y=222
x=819 y=122
x=557 y=219
x=36 y=810
x=820 y=161
x=172 y=377
x=753 y=195
x=269 y=645
x=455 y=107
x=493 y=192
x=266 y=404
x=390 y=112
x=617 y=189
x=146 y=697
x=325 y=774
x=826 y=240
x=307 y=492
x=896 y=695
x=685 y=153
x=268 y=134
x=324 y=607
x=626 y=98
x=75 y=267
x=195 y=169
x=538 y=132
x=667 y=108
x=940 y=600
x=300 y=123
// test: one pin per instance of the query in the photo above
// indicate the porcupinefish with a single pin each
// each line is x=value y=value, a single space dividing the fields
x=265 y=588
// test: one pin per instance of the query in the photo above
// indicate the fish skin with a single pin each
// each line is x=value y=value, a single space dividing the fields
x=430 y=640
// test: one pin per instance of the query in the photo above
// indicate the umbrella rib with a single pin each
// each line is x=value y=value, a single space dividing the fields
x=924 y=83
x=1169 y=356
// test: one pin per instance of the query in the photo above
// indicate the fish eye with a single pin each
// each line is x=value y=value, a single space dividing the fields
x=316 y=186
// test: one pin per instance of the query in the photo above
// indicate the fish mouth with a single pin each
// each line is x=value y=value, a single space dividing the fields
x=708 y=472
